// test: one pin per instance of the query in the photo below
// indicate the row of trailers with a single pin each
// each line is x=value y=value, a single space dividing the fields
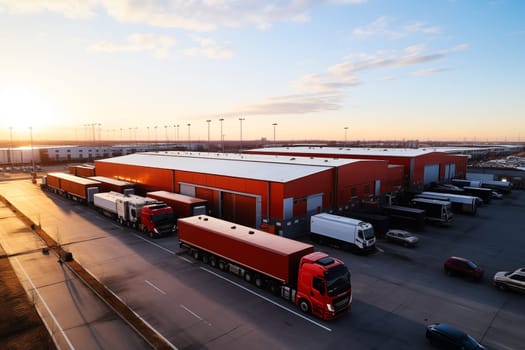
x=155 y=213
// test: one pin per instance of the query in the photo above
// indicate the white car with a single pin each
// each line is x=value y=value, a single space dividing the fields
x=510 y=280
x=402 y=237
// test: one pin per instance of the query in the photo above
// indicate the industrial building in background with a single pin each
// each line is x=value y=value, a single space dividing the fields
x=422 y=166
x=277 y=193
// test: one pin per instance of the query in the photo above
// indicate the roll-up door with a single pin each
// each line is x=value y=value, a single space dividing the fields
x=314 y=203
x=431 y=174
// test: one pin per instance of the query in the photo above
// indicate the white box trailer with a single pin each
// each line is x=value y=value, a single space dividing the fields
x=343 y=231
x=106 y=202
x=460 y=203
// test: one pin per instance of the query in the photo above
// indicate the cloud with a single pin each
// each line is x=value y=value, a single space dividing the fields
x=158 y=44
x=293 y=104
x=70 y=8
x=429 y=71
x=385 y=27
x=208 y=48
x=197 y=15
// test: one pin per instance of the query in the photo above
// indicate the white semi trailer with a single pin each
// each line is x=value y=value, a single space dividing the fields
x=342 y=231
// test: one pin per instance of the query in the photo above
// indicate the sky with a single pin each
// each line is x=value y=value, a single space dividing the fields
x=282 y=69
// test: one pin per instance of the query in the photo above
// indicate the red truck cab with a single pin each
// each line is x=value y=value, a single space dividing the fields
x=157 y=219
x=323 y=286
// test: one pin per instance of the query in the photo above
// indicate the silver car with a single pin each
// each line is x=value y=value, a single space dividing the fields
x=510 y=280
x=402 y=237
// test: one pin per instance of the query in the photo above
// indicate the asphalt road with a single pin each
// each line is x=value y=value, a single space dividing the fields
x=397 y=291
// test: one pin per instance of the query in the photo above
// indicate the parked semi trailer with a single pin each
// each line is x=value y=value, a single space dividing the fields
x=317 y=283
x=342 y=231
x=502 y=186
x=460 y=203
x=402 y=217
x=108 y=184
x=484 y=193
x=436 y=211
x=148 y=215
x=71 y=186
x=183 y=206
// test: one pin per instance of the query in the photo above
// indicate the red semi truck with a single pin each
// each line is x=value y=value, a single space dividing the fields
x=71 y=186
x=183 y=206
x=317 y=283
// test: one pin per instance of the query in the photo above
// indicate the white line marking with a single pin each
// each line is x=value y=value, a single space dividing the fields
x=379 y=249
x=45 y=305
x=155 y=244
x=268 y=300
x=155 y=287
x=186 y=259
x=191 y=312
x=123 y=303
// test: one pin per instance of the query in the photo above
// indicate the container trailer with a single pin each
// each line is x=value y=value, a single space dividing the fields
x=437 y=211
x=183 y=206
x=460 y=203
x=463 y=183
x=108 y=184
x=484 y=193
x=501 y=186
x=317 y=283
x=401 y=216
x=70 y=186
x=342 y=231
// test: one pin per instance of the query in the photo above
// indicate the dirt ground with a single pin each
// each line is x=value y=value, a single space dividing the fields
x=20 y=325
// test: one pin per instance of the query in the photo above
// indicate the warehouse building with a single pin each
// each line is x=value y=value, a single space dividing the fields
x=422 y=166
x=278 y=192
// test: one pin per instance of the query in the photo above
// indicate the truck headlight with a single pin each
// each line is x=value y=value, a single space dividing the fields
x=155 y=230
x=330 y=307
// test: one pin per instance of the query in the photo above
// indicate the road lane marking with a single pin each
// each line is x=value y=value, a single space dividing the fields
x=379 y=249
x=268 y=300
x=46 y=306
x=155 y=287
x=194 y=314
x=155 y=244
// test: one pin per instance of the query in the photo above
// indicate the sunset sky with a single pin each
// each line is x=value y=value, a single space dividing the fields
x=383 y=69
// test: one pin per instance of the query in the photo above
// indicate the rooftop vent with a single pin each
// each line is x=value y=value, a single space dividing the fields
x=251 y=232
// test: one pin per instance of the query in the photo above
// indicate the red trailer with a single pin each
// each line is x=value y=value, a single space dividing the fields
x=71 y=186
x=108 y=184
x=183 y=206
x=318 y=283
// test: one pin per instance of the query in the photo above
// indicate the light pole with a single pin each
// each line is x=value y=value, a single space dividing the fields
x=166 y=132
x=189 y=135
x=222 y=137
x=240 y=148
x=32 y=155
x=178 y=132
x=208 y=121
x=274 y=127
x=11 y=149
x=346 y=131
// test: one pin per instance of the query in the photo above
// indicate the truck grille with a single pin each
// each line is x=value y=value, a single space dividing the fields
x=341 y=303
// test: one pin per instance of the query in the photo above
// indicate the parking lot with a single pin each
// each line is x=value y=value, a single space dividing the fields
x=397 y=290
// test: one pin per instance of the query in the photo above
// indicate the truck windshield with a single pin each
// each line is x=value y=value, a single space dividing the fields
x=162 y=218
x=337 y=280
x=369 y=233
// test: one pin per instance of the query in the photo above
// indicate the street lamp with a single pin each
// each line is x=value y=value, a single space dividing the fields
x=274 y=127
x=240 y=148
x=208 y=121
x=346 y=131
x=222 y=136
x=189 y=135
x=32 y=154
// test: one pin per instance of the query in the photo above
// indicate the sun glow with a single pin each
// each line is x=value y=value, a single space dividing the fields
x=22 y=108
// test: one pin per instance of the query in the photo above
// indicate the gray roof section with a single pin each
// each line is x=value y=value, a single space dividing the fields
x=258 y=167
x=353 y=151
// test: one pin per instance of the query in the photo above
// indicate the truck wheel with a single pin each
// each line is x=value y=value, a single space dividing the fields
x=205 y=259
x=304 y=306
x=222 y=265
x=151 y=234
x=195 y=254
x=248 y=277
x=213 y=262
x=259 y=282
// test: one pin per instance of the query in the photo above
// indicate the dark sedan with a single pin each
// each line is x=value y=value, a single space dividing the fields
x=448 y=337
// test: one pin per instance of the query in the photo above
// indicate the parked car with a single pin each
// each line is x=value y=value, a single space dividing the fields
x=463 y=267
x=510 y=280
x=402 y=237
x=448 y=337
